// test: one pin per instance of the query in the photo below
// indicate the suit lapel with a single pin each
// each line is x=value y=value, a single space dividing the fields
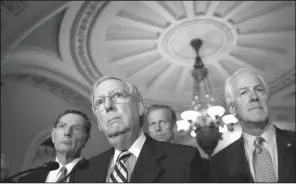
x=102 y=165
x=147 y=168
x=285 y=157
x=240 y=163
x=40 y=176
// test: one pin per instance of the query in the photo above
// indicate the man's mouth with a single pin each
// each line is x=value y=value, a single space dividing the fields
x=66 y=142
x=114 y=119
x=252 y=108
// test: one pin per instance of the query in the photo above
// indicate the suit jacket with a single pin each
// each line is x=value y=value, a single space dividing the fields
x=40 y=176
x=157 y=162
x=231 y=164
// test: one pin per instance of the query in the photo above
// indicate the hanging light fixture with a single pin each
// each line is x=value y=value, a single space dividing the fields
x=206 y=121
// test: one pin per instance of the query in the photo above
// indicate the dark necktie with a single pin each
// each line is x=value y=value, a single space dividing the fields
x=263 y=167
x=120 y=172
x=63 y=172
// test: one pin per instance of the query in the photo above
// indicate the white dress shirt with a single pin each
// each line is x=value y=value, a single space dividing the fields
x=54 y=175
x=135 y=149
x=269 y=143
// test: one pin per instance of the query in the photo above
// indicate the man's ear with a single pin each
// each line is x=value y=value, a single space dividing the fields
x=141 y=107
x=99 y=126
x=232 y=109
x=52 y=134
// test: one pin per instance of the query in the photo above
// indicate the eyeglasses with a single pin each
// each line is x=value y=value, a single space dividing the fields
x=116 y=97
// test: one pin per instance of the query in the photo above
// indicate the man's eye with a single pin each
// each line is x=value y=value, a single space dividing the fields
x=117 y=95
x=243 y=92
x=61 y=125
x=78 y=128
x=100 y=101
x=260 y=89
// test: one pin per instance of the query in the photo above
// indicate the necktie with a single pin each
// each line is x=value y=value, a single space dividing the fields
x=63 y=172
x=120 y=173
x=263 y=167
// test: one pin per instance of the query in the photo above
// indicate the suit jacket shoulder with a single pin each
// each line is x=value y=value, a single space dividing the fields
x=230 y=164
x=34 y=177
x=167 y=162
x=286 y=155
x=96 y=169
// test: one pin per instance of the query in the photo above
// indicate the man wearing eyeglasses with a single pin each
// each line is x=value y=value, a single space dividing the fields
x=134 y=156
x=70 y=134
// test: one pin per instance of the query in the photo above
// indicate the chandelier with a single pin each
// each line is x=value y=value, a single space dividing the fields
x=205 y=121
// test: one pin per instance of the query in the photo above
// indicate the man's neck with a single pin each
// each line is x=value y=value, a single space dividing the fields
x=255 y=129
x=126 y=141
x=64 y=159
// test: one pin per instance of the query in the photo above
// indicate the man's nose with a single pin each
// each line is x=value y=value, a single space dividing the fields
x=68 y=131
x=157 y=128
x=109 y=106
x=254 y=96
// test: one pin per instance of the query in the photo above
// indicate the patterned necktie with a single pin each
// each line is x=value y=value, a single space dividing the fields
x=120 y=173
x=263 y=167
x=63 y=172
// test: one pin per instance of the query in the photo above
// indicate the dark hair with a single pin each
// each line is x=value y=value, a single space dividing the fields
x=157 y=106
x=73 y=111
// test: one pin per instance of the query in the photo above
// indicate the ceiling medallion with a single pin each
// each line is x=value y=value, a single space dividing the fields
x=219 y=38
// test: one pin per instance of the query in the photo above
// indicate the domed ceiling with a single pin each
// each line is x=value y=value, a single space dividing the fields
x=148 y=44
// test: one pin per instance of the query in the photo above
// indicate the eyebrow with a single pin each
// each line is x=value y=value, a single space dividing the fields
x=246 y=87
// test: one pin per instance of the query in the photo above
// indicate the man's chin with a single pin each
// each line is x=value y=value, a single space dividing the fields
x=116 y=133
x=160 y=138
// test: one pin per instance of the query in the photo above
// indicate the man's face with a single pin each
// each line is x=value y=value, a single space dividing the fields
x=119 y=116
x=250 y=99
x=69 y=136
x=160 y=125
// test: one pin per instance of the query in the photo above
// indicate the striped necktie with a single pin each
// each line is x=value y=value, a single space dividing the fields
x=263 y=167
x=63 y=172
x=120 y=173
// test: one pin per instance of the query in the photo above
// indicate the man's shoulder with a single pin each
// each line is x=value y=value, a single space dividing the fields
x=102 y=156
x=286 y=135
x=228 y=150
x=37 y=176
x=174 y=149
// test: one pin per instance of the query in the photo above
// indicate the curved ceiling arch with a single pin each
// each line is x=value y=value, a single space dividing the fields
x=51 y=81
x=143 y=43
x=24 y=23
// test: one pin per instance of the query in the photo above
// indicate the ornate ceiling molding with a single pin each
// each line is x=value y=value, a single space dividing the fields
x=92 y=26
x=19 y=24
x=285 y=80
x=56 y=88
x=74 y=34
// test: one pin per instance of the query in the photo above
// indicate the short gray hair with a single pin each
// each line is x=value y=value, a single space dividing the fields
x=229 y=95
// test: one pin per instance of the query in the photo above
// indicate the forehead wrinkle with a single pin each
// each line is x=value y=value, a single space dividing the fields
x=119 y=85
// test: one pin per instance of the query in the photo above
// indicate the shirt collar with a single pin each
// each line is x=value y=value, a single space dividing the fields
x=268 y=135
x=135 y=149
x=70 y=165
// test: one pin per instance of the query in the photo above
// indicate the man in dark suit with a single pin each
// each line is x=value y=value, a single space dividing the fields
x=134 y=156
x=70 y=133
x=264 y=153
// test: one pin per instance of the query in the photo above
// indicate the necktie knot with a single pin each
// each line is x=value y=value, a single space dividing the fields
x=123 y=156
x=63 y=172
x=258 y=141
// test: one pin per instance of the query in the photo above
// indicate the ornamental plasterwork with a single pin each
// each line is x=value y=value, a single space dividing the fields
x=147 y=44
x=79 y=38
x=54 y=87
